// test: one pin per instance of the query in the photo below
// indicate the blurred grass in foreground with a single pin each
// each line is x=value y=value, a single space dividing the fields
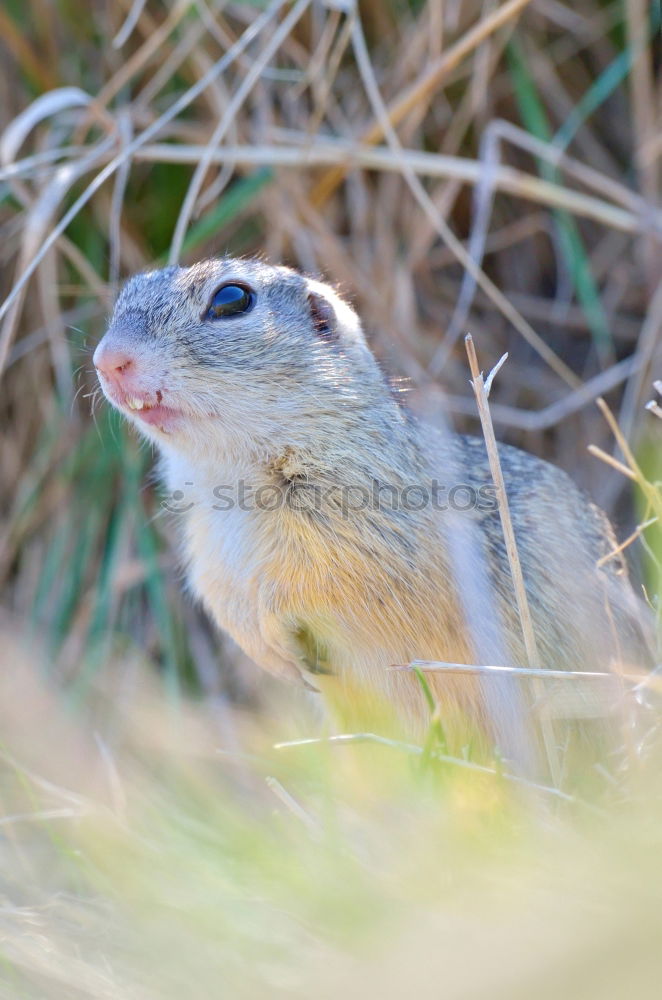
x=142 y=857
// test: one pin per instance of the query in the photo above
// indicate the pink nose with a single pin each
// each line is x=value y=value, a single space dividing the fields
x=113 y=362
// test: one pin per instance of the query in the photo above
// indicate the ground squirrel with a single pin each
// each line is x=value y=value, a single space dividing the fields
x=328 y=530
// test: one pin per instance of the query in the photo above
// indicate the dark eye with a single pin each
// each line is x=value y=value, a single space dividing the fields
x=230 y=300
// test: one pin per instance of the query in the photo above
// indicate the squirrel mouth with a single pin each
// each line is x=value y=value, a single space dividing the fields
x=134 y=403
x=162 y=417
x=150 y=412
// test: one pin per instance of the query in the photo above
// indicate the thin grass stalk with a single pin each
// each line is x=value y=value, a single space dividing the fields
x=526 y=622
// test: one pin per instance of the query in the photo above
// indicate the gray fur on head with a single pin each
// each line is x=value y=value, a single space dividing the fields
x=299 y=352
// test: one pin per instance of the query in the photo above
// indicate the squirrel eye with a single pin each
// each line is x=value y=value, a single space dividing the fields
x=230 y=300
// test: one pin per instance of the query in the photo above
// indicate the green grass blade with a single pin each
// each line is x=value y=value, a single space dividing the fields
x=536 y=122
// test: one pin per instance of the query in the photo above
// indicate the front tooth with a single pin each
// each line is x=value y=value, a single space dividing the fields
x=135 y=404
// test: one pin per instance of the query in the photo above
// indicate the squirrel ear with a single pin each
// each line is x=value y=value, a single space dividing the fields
x=323 y=315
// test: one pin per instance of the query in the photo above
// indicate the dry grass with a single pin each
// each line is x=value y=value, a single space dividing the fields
x=453 y=166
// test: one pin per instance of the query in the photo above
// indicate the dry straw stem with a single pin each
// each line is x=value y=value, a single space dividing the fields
x=559 y=694
x=16 y=43
x=610 y=460
x=422 y=88
x=638 y=531
x=130 y=22
x=596 y=692
x=652 y=495
x=438 y=666
x=633 y=472
x=480 y=392
x=345 y=739
x=506 y=179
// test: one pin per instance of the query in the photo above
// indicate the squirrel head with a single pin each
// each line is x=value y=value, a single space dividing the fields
x=235 y=354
